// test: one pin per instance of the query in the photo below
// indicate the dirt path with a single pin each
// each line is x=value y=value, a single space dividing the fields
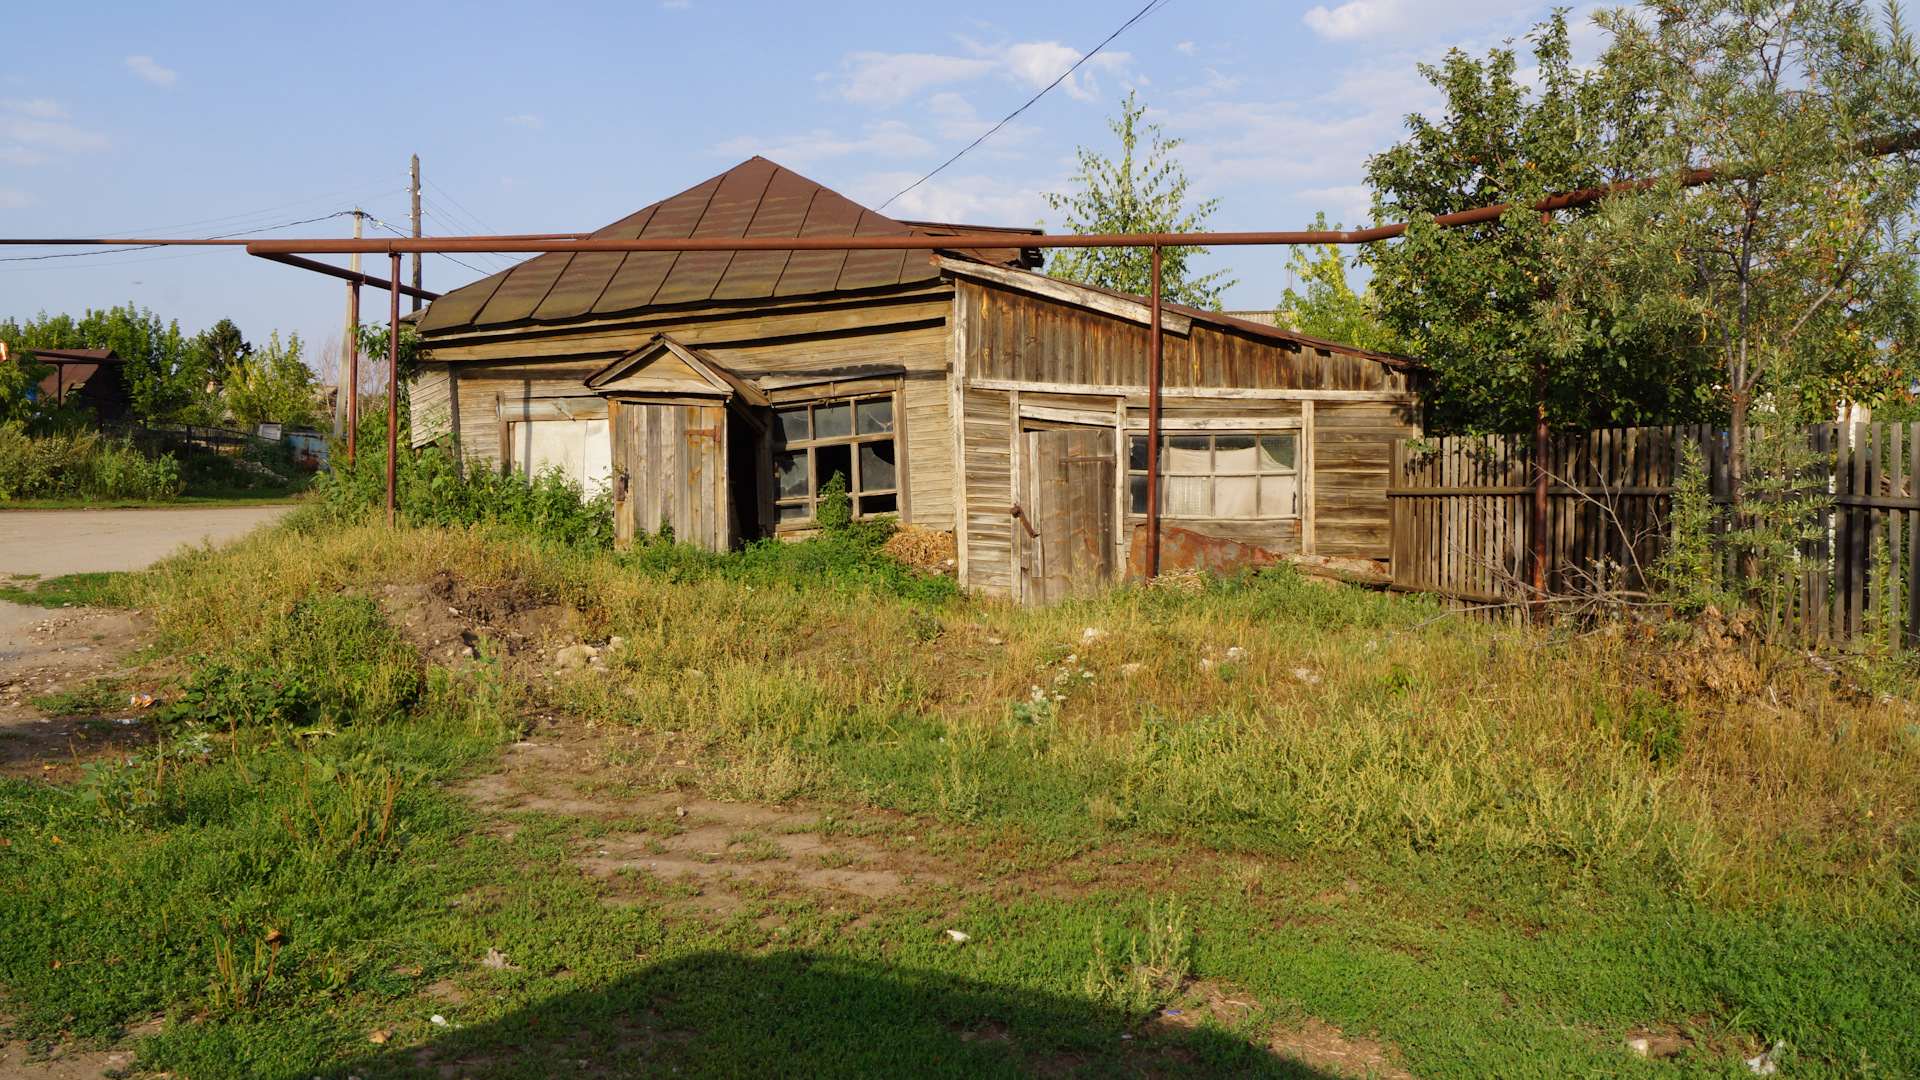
x=54 y=542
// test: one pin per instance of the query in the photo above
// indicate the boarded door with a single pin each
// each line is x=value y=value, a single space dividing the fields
x=669 y=465
x=1065 y=536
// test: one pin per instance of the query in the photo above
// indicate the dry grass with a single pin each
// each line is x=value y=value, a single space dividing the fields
x=1275 y=713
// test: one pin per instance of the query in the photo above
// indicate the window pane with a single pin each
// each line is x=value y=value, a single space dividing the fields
x=791 y=469
x=875 y=417
x=879 y=504
x=1276 y=452
x=1235 y=497
x=833 y=421
x=1137 y=491
x=828 y=460
x=795 y=512
x=876 y=465
x=1233 y=454
x=1188 y=455
x=793 y=423
x=1279 y=496
x=1188 y=496
x=1137 y=455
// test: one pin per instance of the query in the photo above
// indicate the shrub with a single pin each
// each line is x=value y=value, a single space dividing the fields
x=81 y=464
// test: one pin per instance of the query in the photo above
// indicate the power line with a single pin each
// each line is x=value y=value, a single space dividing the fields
x=442 y=254
x=235 y=218
x=1152 y=6
x=150 y=247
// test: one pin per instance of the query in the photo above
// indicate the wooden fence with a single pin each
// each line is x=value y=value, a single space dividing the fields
x=1462 y=513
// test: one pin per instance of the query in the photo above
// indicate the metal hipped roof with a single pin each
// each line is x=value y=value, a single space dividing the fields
x=754 y=198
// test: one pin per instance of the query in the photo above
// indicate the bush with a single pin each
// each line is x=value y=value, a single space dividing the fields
x=81 y=464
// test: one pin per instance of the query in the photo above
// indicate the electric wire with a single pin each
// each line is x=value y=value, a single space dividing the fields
x=235 y=218
x=150 y=247
x=1152 y=6
x=449 y=258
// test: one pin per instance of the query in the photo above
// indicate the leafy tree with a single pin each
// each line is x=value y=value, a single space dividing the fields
x=272 y=385
x=1467 y=299
x=1139 y=193
x=1793 y=273
x=161 y=373
x=1331 y=310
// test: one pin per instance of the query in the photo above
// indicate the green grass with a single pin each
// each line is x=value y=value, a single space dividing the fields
x=1478 y=845
x=215 y=497
x=67 y=590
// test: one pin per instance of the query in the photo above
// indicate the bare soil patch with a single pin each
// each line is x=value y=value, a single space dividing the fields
x=449 y=620
x=46 y=651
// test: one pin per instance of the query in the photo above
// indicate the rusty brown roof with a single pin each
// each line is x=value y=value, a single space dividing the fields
x=754 y=198
x=76 y=356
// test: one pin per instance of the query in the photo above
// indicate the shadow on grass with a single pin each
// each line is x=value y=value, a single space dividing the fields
x=804 y=1014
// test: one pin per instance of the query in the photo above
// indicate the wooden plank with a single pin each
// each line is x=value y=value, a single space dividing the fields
x=1066 y=292
x=1209 y=393
x=1912 y=637
x=1308 y=470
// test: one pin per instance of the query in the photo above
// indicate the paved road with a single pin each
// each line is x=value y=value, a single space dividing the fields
x=55 y=542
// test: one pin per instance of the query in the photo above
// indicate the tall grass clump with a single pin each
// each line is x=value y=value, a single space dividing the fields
x=81 y=464
x=433 y=487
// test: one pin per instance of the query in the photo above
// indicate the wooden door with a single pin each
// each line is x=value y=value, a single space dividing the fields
x=1065 y=532
x=670 y=466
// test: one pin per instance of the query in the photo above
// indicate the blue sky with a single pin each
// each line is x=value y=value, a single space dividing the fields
x=198 y=118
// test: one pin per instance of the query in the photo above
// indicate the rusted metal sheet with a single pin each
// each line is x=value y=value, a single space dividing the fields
x=1184 y=549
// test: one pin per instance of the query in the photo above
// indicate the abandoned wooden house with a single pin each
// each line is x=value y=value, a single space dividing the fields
x=718 y=392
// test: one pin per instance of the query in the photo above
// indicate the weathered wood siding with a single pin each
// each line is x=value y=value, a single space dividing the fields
x=1044 y=352
x=1352 y=468
x=1012 y=335
x=906 y=330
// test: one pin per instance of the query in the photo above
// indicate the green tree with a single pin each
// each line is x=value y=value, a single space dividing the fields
x=160 y=368
x=1467 y=299
x=1144 y=191
x=1330 y=309
x=271 y=385
x=1793 y=273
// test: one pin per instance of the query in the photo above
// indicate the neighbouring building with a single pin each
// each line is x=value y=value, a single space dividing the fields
x=92 y=377
x=962 y=390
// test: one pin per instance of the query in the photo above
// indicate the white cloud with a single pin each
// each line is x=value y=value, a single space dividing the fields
x=976 y=200
x=1375 y=20
x=675 y=5
x=889 y=138
x=529 y=123
x=1348 y=205
x=1185 y=47
x=34 y=131
x=14 y=200
x=886 y=79
x=509 y=181
x=144 y=67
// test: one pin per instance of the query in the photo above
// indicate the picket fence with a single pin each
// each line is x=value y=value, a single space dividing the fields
x=1462 y=512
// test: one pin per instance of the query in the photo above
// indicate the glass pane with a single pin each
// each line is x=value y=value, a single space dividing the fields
x=795 y=512
x=1233 y=454
x=1279 y=497
x=1137 y=456
x=793 y=423
x=833 y=421
x=879 y=504
x=831 y=460
x=1188 y=455
x=1276 y=452
x=876 y=466
x=791 y=469
x=1235 y=497
x=875 y=417
x=1188 y=496
x=1137 y=491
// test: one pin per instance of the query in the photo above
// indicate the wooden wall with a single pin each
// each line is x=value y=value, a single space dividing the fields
x=905 y=329
x=1055 y=363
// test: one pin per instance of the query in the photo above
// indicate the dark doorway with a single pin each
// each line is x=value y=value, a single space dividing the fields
x=744 y=469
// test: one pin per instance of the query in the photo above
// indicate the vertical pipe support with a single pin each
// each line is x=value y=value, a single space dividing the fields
x=1153 y=421
x=393 y=381
x=352 y=404
x=1542 y=447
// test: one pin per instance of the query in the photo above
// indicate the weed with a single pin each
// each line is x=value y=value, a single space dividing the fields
x=88 y=699
x=1142 y=983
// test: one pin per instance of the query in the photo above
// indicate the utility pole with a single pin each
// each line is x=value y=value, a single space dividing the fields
x=416 y=226
x=346 y=382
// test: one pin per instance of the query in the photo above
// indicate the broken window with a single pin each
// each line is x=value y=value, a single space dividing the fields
x=1243 y=477
x=854 y=437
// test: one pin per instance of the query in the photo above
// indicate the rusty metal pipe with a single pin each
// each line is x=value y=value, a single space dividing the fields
x=347 y=275
x=393 y=384
x=352 y=404
x=225 y=242
x=1153 y=421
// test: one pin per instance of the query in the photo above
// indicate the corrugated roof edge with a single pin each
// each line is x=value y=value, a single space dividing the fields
x=1217 y=318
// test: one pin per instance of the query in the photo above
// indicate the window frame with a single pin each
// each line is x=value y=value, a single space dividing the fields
x=1256 y=432
x=851 y=397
